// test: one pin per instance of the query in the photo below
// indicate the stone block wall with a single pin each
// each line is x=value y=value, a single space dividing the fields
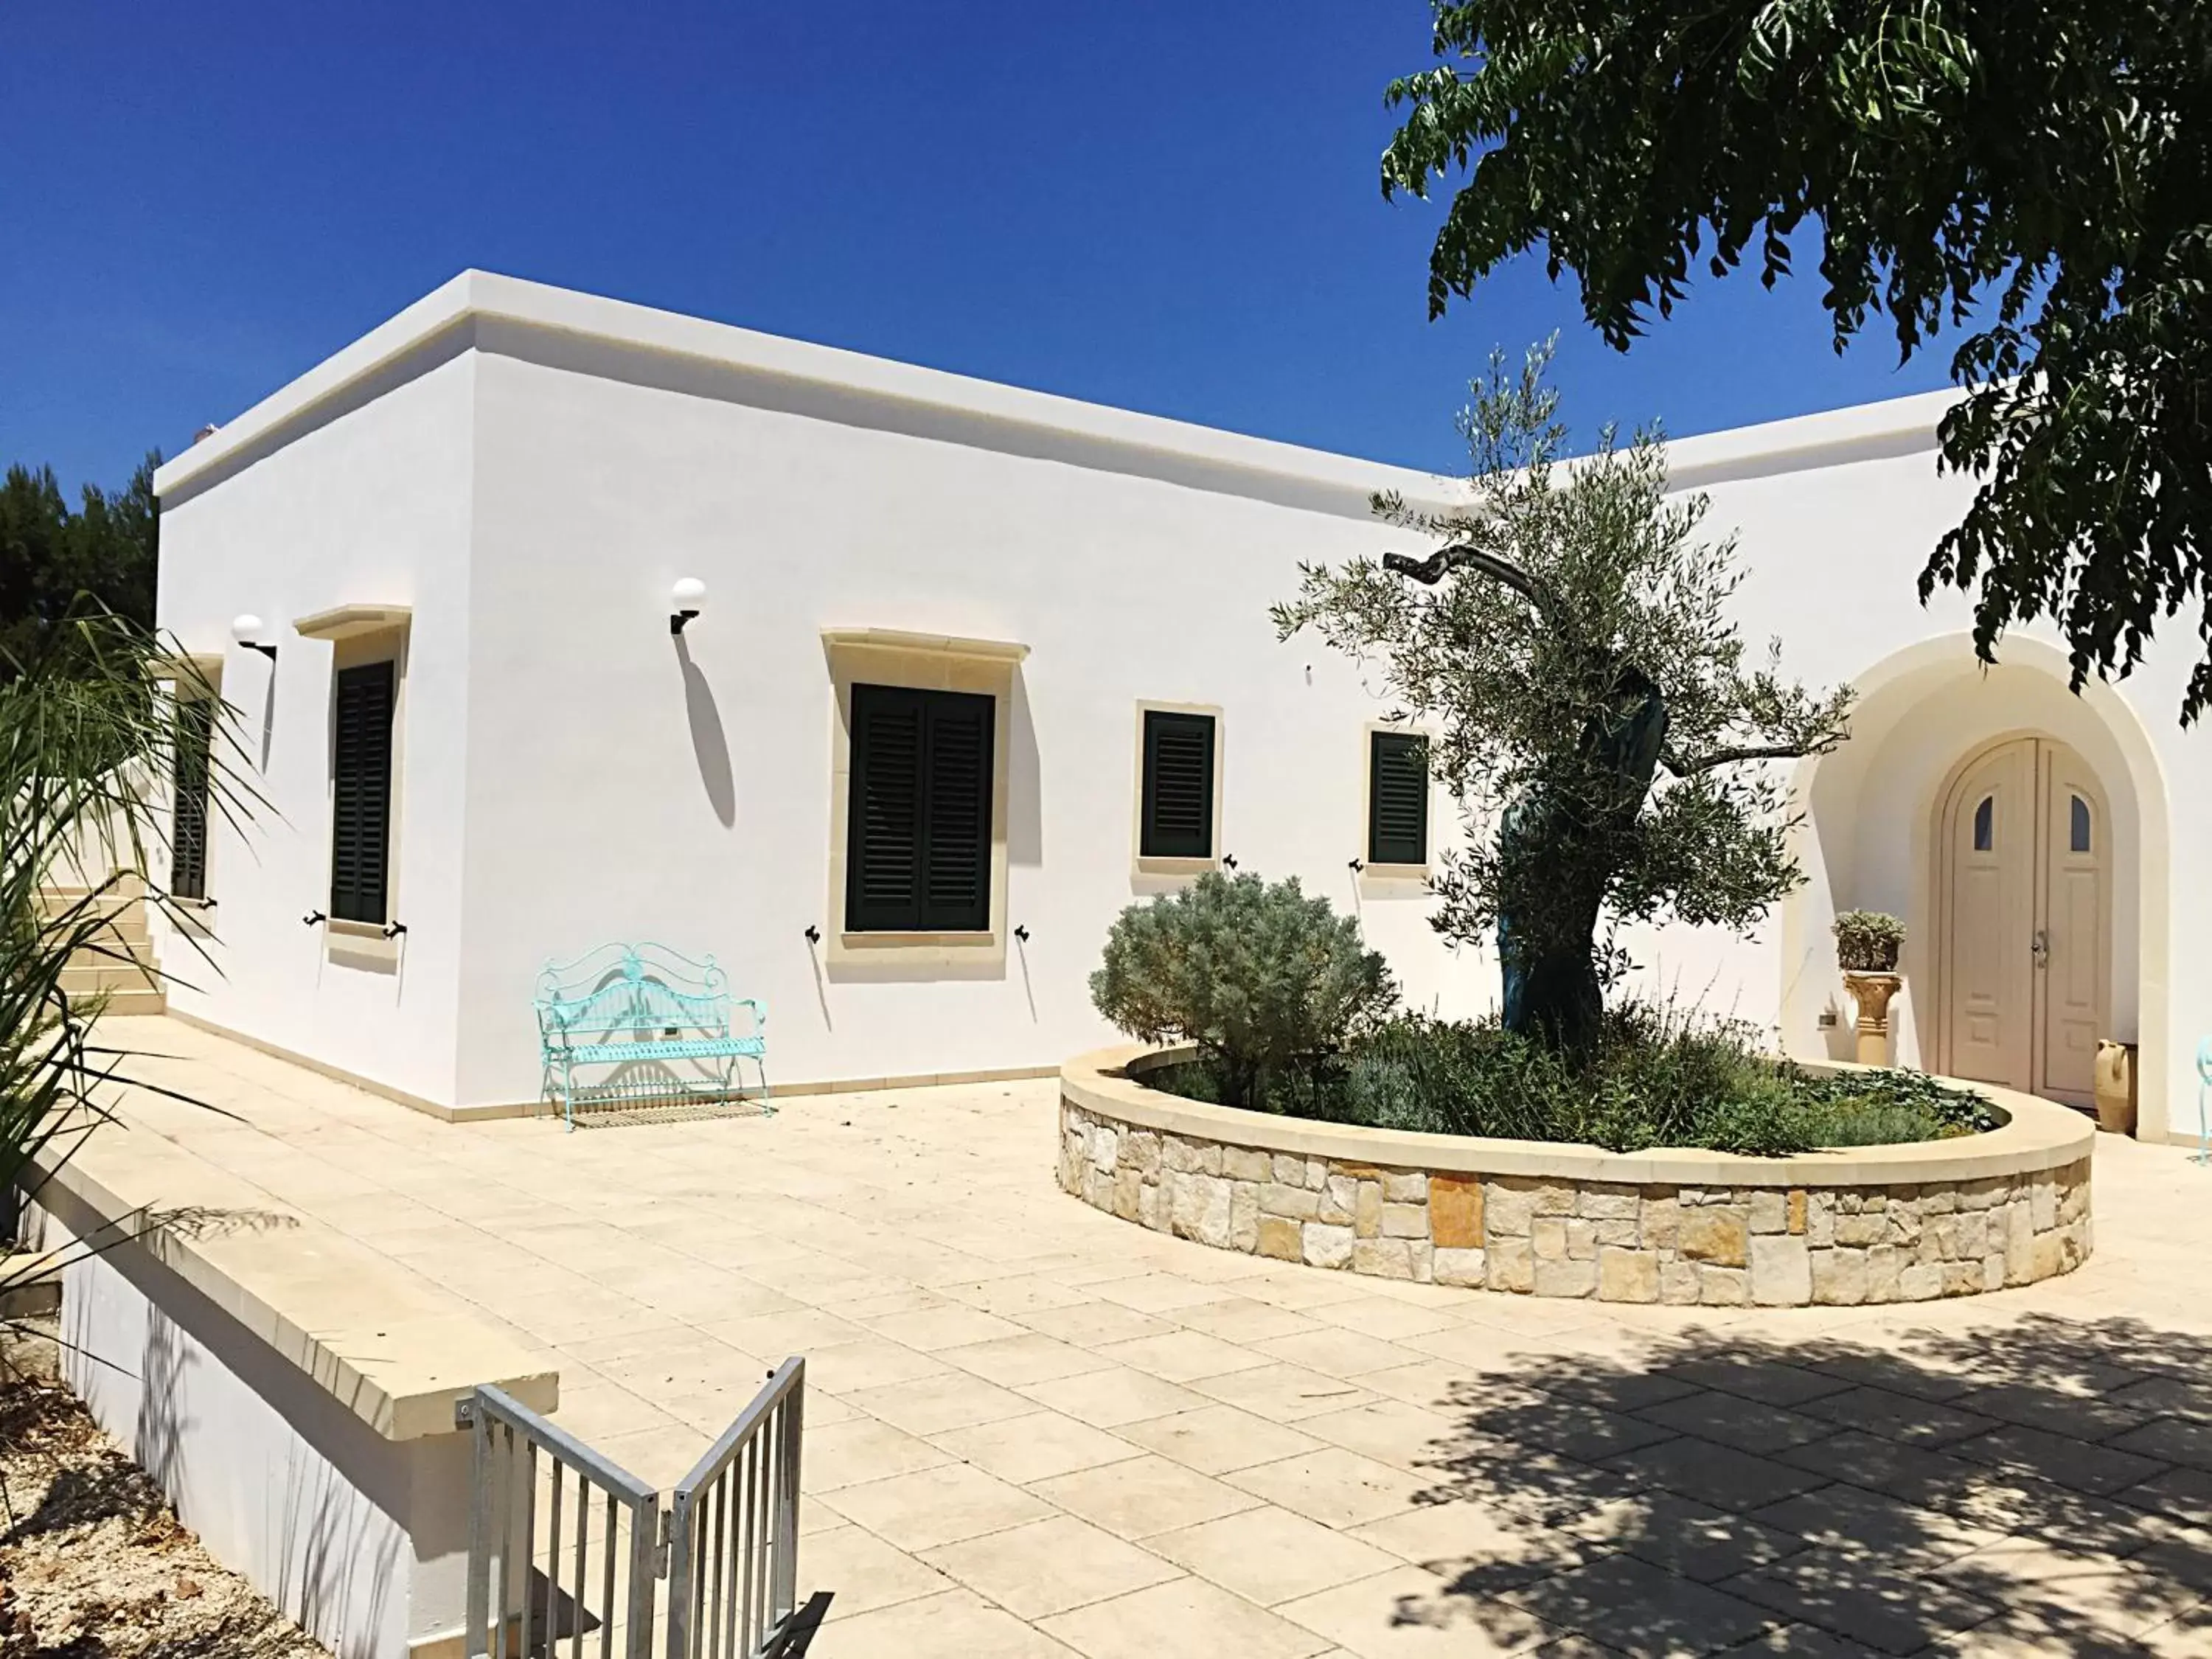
x=1708 y=1246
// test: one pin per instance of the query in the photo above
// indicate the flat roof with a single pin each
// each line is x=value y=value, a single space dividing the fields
x=1181 y=448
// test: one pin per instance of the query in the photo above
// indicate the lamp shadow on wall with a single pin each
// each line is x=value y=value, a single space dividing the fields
x=1024 y=781
x=710 y=745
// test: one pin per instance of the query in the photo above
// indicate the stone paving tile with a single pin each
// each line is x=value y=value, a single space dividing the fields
x=1184 y=1356
x=1338 y=1353
x=1795 y=1641
x=1746 y=1425
x=1585 y=1433
x=2095 y=1595
x=956 y=1625
x=928 y=1405
x=1900 y=1416
x=1391 y=1321
x=935 y=1506
x=861 y=1571
x=1690 y=1539
x=2170 y=1440
x=2085 y=1417
x=1184 y=1618
x=1282 y=1393
x=939 y=1281
x=861 y=1449
x=1215 y=1439
x=1483 y=1548
x=1031 y=1357
x=1269 y=1555
x=2075 y=1463
x=1409 y=1613
x=1048 y=1567
x=1714 y=1474
x=1142 y=1496
x=1094 y=1323
x=1640 y=1609
x=1770 y=1381
x=1842 y=1593
x=1034 y=1446
x=1336 y=1488
x=1876 y=1524
x=1241 y=1319
x=1108 y=1398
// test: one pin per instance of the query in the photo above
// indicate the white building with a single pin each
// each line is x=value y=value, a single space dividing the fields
x=494 y=493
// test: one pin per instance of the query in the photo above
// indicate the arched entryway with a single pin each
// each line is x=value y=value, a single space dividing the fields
x=1888 y=823
x=2022 y=886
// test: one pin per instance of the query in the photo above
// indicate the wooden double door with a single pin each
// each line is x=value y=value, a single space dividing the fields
x=2024 y=883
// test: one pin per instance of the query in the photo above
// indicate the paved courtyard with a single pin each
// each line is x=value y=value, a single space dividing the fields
x=1035 y=1431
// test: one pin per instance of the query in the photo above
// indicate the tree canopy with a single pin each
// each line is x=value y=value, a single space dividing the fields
x=1569 y=644
x=49 y=555
x=2032 y=174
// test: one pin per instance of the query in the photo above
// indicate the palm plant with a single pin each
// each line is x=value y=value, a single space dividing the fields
x=90 y=726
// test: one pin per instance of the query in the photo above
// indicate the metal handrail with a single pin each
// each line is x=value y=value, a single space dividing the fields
x=733 y=1530
x=503 y=1527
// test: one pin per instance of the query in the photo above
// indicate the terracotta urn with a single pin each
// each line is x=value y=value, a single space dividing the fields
x=1872 y=993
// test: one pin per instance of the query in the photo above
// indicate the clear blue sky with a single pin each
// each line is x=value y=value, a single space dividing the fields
x=1166 y=206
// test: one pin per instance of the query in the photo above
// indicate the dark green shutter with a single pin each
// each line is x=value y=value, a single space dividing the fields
x=1176 y=821
x=918 y=820
x=189 y=780
x=1397 y=799
x=361 y=792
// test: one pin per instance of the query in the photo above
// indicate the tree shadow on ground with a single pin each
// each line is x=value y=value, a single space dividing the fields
x=2043 y=1486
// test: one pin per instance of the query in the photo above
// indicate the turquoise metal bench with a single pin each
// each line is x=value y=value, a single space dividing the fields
x=656 y=1026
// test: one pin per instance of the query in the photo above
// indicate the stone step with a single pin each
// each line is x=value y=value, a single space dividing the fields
x=136 y=1002
x=93 y=975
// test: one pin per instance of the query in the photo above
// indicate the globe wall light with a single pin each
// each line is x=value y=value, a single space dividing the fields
x=245 y=628
x=687 y=597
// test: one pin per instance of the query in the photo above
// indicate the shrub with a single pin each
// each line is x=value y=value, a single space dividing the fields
x=1867 y=941
x=1269 y=984
x=1652 y=1078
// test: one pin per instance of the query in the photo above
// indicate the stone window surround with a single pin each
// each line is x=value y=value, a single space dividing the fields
x=1392 y=880
x=1140 y=865
x=929 y=662
x=1869 y=1225
x=362 y=633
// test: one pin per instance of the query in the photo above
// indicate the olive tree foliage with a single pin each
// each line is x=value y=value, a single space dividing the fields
x=1593 y=708
x=1267 y=983
x=2032 y=171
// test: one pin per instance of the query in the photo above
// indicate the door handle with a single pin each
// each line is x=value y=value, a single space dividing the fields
x=2040 y=949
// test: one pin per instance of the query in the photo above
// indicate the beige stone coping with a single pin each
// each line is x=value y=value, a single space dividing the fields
x=390 y=1347
x=2038 y=1134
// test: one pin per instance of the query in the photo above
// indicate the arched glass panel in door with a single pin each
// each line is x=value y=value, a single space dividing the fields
x=1986 y=824
x=2078 y=837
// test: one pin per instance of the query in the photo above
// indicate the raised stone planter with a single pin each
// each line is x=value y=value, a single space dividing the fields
x=1874 y=1223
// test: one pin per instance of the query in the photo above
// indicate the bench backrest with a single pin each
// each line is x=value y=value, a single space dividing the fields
x=631 y=994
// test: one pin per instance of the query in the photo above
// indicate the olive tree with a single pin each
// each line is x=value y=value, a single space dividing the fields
x=1595 y=713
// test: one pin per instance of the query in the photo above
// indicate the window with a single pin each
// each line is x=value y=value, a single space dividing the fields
x=189 y=796
x=1397 y=798
x=1984 y=824
x=2078 y=839
x=1175 y=818
x=918 y=826
x=360 y=793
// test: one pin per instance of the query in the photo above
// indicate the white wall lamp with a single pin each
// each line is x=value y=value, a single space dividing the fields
x=687 y=598
x=245 y=628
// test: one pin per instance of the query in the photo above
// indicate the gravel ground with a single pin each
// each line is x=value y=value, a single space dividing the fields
x=92 y=1564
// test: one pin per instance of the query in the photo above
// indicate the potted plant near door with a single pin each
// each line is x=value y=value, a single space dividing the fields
x=1868 y=943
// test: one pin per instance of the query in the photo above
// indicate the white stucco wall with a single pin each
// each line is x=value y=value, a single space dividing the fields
x=362 y=1539
x=626 y=786
x=371 y=505
x=530 y=469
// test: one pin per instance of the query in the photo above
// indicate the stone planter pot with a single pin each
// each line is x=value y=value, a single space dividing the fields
x=2115 y=1087
x=1865 y=1224
x=1872 y=993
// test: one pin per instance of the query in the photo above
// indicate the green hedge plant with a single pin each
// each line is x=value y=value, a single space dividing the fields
x=1270 y=985
x=1868 y=941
